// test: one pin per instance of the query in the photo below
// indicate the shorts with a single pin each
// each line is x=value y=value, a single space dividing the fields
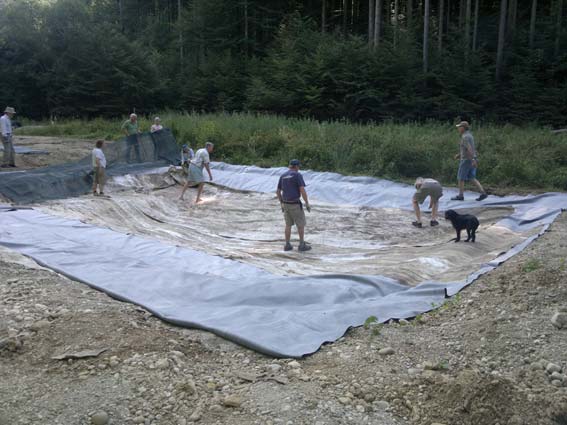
x=466 y=170
x=294 y=214
x=99 y=176
x=435 y=191
x=195 y=174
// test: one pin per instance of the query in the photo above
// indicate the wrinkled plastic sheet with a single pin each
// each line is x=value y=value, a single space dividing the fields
x=281 y=316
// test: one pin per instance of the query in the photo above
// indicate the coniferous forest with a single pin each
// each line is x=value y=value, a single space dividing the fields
x=502 y=61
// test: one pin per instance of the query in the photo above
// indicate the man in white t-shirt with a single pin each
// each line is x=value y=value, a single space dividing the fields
x=195 y=177
x=9 y=159
x=99 y=168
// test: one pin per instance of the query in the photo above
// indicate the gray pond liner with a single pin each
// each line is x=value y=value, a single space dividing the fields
x=288 y=316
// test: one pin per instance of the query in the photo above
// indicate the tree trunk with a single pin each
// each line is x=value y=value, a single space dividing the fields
x=396 y=22
x=426 y=36
x=532 y=23
x=501 y=38
x=345 y=17
x=461 y=14
x=120 y=17
x=440 y=29
x=558 y=27
x=323 y=15
x=180 y=32
x=468 y=27
x=378 y=22
x=409 y=13
x=371 y=6
x=475 y=25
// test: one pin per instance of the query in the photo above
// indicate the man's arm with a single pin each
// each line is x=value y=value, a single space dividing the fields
x=209 y=171
x=279 y=195
x=305 y=199
x=3 y=127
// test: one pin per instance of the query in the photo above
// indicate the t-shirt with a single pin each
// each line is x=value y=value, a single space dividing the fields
x=131 y=127
x=467 y=140
x=156 y=127
x=289 y=184
x=429 y=184
x=98 y=153
x=201 y=158
x=5 y=125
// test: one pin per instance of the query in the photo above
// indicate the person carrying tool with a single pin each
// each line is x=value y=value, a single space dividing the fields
x=195 y=177
x=291 y=188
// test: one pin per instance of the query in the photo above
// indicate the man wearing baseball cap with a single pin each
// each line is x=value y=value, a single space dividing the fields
x=9 y=159
x=468 y=163
x=291 y=188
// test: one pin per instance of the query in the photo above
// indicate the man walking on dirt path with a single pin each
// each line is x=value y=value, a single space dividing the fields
x=132 y=130
x=291 y=188
x=9 y=159
x=423 y=189
x=99 y=168
x=201 y=160
x=468 y=163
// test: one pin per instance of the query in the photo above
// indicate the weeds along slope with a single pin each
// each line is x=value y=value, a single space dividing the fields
x=510 y=157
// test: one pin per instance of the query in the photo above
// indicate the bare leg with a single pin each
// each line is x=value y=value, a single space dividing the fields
x=301 y=233
x=184 y=190
x=417 y=211
x=287 y=233
x=478 y=185
x=199 y=191
x=461 y=187
x=434 y=208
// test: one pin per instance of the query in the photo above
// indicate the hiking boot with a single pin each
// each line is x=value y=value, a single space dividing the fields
x=417 y=224
x=303 y=247
x=458 y=198
x=288 y=247
x=434 y=223
x=482 y=196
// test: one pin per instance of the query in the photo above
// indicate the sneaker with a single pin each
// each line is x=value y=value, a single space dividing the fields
x=458 y=198
x=482 y=196
x=416 y=224
x=303 y=247
x=288 y=247
x=434 y=223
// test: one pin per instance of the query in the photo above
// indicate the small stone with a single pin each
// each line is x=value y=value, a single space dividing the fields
x=39 y=325
x=382 y=405
x=557 y=376
x=294 y=364
x=386 y=351
x=232 y=401
x=196 y=415
x=344 y=400
x=414 y=371
x=559 y=320
x=360 y=408
x=274 y=367
x=100 y=418
x=557 y=383
x=552 y=367
x=162 y=364
x=139 y=420
x=215 y=408
x=403 y=322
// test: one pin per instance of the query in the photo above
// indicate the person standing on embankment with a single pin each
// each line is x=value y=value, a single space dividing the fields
x=468 y=163
x=9 y=159
x=132 y=130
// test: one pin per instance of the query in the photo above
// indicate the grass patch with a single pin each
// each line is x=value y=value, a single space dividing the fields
x=531 y=265
x=509 y=157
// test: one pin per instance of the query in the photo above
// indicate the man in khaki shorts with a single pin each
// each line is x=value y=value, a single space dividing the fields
x=291 y=188
x=423 y=189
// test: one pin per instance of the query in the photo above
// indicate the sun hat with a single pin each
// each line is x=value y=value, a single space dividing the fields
x=294 y=163
x=157 y=119
x=464 y=124
x=133 y=116
x=10 y=110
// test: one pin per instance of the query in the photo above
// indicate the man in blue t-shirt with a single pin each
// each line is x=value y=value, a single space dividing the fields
x=291 y=188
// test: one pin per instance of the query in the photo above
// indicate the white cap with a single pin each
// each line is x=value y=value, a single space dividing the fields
x=133 y=116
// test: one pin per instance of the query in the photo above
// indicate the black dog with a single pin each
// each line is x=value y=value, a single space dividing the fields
x=463 y=221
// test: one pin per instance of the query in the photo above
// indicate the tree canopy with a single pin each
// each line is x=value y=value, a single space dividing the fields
x=371 y=60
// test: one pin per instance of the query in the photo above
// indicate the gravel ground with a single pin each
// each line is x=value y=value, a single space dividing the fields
x=490 y=356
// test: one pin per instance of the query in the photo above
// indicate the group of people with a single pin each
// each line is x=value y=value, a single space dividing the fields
x=290 y=190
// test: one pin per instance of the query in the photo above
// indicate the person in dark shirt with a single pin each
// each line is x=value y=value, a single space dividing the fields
x=291 y=188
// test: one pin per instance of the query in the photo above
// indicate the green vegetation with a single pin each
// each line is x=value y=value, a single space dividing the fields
x=78 y=58
x=531 y=265
x=370 y=320
x=509 y=156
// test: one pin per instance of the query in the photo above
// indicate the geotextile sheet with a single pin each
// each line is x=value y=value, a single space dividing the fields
x=246 y=301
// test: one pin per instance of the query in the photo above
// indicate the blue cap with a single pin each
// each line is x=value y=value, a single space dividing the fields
x=294 y=163
x=185 y=146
